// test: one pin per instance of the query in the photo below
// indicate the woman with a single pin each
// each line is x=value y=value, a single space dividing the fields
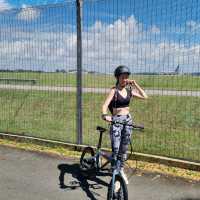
x=118 y=103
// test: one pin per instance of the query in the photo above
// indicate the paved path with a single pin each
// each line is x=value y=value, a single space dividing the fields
x=99 y=90
x=33 y=176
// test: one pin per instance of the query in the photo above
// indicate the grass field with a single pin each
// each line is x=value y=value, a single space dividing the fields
x=171 y=123
x=175 y=82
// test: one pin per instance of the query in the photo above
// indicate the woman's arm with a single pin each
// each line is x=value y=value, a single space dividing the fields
x=137 y=91
x=106 y=103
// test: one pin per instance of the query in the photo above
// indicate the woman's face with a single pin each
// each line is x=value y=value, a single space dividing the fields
x=122 y=79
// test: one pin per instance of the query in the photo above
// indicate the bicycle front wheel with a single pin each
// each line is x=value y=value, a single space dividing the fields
x=118 y=190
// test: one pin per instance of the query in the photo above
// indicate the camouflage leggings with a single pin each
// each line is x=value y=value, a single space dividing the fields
x=120 y=136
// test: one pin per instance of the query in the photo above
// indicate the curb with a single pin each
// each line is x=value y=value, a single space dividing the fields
x=184 y=164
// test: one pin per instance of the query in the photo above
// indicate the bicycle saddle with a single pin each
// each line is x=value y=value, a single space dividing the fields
x=101 y=129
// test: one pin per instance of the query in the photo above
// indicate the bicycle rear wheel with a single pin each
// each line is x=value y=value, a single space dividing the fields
x=87 y=162
x=119 y=190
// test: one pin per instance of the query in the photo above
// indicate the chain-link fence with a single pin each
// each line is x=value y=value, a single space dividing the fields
x=37 y=61
x=159 y=40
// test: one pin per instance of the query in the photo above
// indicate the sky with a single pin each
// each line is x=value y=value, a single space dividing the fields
x=147 y=36
x=21 y=3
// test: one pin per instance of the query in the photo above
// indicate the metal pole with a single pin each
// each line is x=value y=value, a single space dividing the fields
x=79 y=71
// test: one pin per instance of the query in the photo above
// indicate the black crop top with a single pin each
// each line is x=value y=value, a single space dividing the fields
x=118 y=101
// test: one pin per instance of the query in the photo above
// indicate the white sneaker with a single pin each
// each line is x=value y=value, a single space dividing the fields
x=124 y=176
x=117 y=186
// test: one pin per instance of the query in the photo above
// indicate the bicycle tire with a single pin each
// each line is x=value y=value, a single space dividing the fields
x=122 y=194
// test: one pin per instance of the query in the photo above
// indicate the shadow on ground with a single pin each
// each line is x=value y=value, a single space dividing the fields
x=188 y=199
x=81 y=181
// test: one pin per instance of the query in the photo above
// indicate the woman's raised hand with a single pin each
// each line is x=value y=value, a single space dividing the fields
x=131 y=82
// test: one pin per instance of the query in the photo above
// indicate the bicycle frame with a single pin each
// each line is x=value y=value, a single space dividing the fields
x=104 y=154
x=100 y=153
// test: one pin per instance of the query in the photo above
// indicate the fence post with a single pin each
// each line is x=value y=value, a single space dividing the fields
x=79 y=71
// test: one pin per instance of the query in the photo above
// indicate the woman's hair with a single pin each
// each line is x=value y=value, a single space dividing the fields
x=117 y=82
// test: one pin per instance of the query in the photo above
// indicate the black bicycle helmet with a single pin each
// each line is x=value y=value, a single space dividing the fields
x=122 y=69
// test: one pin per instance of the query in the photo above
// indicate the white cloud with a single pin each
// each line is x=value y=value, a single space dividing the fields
x=104 y=47
x=155 y=29
x=4 y=5
x=193 y=26
x=28 y=13
x=128 y=42
x=24 y=6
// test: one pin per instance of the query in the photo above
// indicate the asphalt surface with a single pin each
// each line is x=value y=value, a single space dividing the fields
x=99 y=90
x=35 y=176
